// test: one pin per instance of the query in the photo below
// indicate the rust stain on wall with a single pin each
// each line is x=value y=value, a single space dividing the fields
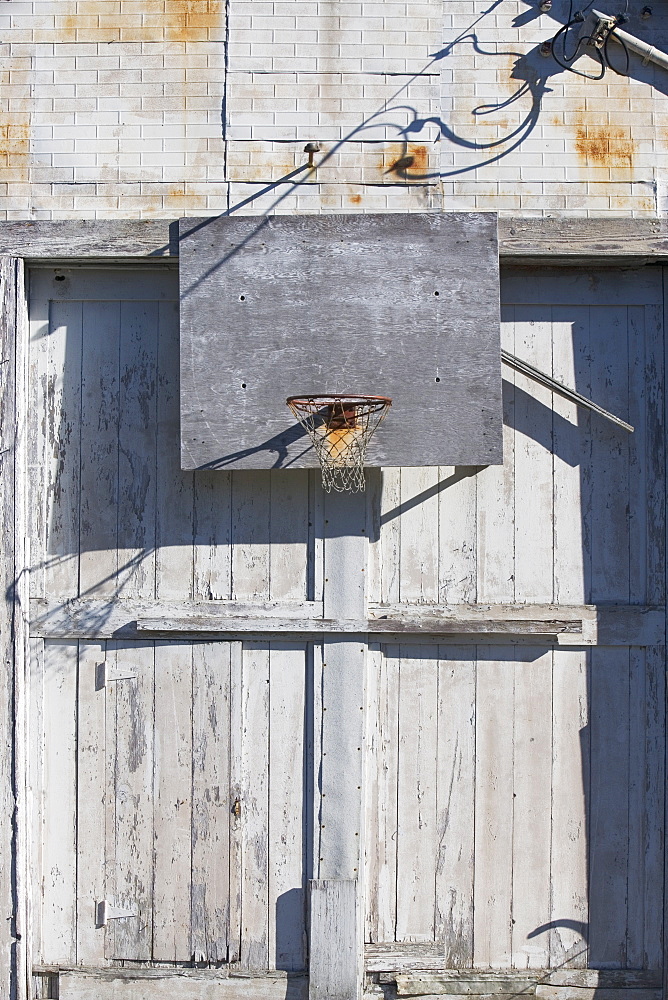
x=404 y=161
x=604 y=145
x=355 y=199
x=190 y=20
x=159 y=20
x=14 y=148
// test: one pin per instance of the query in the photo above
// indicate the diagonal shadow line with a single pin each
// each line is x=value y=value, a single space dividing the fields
x=462 y=472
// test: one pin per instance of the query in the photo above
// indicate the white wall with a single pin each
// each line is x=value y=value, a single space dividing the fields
x=131 y=108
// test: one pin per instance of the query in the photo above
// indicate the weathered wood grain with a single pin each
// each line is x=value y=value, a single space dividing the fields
x=560 y=240
x=382 y=791
x=429 y=626
x=90 y=239
x=91 y=786
x=418 y=550
x=492 y=928
x=106 y=619
x=569 y=909
x=287 y=822
x=99 y=448
x=94 y=986
x=608 y=831
x=256 y=281
x=210 y=889
x=63 y=422
x=604 y=993
x=175 y=513
x=142 y=450
x=59 y=852
x=532 y=821
x=510 y=984
x=131 y=878
x=172 y=802
x=476 y=981
x=571 y=241
x=455 y=804
x=417 y=834
x=254 y=806
x=333 y=967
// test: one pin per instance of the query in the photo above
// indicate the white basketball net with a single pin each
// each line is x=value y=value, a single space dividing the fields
x=340 y=428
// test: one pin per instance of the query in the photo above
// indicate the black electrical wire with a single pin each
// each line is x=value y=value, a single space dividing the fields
x=601 y=52
x=624 y=46
x=566 y=63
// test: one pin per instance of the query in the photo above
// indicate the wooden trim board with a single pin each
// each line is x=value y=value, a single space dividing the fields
x=625 y=625
x=559 y=240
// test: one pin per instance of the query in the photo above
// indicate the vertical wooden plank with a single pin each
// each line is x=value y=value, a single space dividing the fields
x=533 y=459
x=255 y=807
x=418 y=557
x=496 y=496
x=289 y=535
x=36 y=791
x=343 y=719
x=654 y=803
x=455 y=804
x=20 y=593
x=63 y=429
x=236 y=806
x=416 y=826
x=59 y=852
x=640 y=461
x=212 y=566
x=316 y=536
x=98 y=536
x=610 y=457
x=134 y=793
x=609 y=803
x=286 y=829
x=532 y=807
x=569 y=914
x=10 y=562
x=457 y=505
x=334 y=929
x=646 y=806
x=172 y=816
x=382 y=803
x=638 y=809
x=90 y=801
x=138 y=469
x=251 y=507
x=385 y=553
x=492 y=928
x=572 y=456
x=175 y=499
x=211 y=805
x=38 y=458
x=650 y=385
x=111 y=737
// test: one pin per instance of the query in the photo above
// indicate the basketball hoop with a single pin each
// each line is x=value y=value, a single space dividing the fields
x=340 y=428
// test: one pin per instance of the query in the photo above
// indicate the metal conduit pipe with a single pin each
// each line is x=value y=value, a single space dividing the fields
x=649 y=52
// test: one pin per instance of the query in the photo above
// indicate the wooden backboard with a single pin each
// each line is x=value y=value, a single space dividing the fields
x=405 y=306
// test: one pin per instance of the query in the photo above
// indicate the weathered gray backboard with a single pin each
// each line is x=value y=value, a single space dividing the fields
x=405 y=306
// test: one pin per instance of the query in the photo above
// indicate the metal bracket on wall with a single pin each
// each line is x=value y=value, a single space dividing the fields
x=104 y=911
x=550 y=383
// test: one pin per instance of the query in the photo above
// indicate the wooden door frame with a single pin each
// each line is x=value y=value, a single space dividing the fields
x=538 y=242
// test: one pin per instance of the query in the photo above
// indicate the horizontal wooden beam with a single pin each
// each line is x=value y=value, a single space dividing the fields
x=558 y=240
x=203 y=624
x=610 y=625
x=188 y=984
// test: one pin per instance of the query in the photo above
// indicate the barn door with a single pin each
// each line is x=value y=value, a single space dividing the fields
x=516 y=789
x=168 y=775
